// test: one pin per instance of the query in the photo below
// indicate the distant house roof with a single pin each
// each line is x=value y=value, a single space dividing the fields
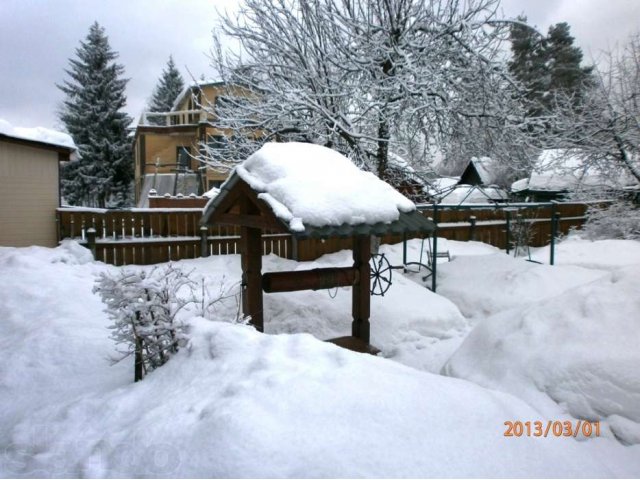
x=161 y=184
x=194 y=86
x=479 y=171
x=564 y=170
x=39 y=136
x=312 y=191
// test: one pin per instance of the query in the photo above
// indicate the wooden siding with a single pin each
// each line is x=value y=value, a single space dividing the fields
x=163 y=148
x=28 y=195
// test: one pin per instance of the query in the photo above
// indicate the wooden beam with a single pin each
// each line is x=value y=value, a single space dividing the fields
x=251 y=258
x=244 y=220
x=361 y=306
x=316 y=279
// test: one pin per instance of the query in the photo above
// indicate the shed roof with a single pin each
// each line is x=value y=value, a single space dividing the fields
x=479 y=170
x=38 y=137
x=312 y=191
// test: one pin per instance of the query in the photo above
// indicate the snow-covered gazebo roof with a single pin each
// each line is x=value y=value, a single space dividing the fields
x=312 y=191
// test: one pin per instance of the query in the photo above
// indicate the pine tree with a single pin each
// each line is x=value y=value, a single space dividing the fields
x=92 y=114
x=167 y=89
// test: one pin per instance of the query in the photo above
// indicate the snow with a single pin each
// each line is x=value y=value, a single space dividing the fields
x=211 y=193
x=485 y=167
x=442 y=185
x=563 y=338
x=527 y=341
x=463 y=194
x=37 y=134
x=307 y=184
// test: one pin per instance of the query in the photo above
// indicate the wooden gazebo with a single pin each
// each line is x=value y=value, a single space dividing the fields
x=248 y=201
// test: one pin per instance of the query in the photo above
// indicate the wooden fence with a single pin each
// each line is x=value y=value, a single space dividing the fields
x=149 y=236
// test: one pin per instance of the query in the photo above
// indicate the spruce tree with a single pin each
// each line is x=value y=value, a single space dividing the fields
x=167 y=89
x=92 y=114
x=566 y=74
x=528 y=64
x=548 y=66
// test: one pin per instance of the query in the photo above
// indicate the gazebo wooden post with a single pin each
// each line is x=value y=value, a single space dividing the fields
x=251 y=257
x=361 y=306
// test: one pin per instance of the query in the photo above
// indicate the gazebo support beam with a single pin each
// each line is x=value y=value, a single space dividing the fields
x=251 y=254
x=361 y=306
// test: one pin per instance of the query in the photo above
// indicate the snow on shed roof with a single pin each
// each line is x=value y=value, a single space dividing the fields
x=485 y=168
x=308 y=185
x=38 y=134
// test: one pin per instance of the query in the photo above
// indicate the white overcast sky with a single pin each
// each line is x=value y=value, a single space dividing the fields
x=37 y=37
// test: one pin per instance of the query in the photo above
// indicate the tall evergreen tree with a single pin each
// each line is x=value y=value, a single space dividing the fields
x=92 y=114
x=548 y=66
x=566 y=74
x=528 y=63
x=167 y=89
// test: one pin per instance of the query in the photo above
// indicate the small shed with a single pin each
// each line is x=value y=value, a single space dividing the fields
x=309 y=191
x=479 y=171
x=29 y=183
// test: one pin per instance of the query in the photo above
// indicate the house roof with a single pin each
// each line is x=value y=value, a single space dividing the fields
x=312 y=191
x=195 y=86
x=563 y=170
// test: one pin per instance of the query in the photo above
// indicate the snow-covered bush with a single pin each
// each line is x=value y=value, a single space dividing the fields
x=522 y=233
x=144 y=307
x=619 y=220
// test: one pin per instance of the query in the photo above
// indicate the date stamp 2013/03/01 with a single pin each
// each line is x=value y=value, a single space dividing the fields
x=554 y=428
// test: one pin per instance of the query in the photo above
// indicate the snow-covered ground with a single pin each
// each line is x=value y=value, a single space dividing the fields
x=527 y=342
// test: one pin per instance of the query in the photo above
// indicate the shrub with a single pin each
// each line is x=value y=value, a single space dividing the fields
x=144 y=307
x=619 y=220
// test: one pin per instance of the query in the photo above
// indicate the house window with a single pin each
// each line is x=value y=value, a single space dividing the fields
x=217 y=142
x=183 y=158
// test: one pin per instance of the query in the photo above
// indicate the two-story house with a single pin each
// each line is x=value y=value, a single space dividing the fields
x=167 y=144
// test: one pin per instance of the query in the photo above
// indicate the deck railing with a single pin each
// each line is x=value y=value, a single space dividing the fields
x=168 y=119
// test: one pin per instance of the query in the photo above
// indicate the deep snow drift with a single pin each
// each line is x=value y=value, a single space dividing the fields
x=564 y=338
x=240 y=403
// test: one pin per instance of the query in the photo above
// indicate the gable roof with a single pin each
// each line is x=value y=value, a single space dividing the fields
x=312 y=191
x=479 y=171
x=194 y=87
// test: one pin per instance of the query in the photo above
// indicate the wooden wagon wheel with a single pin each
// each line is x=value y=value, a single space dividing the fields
x=381 y=274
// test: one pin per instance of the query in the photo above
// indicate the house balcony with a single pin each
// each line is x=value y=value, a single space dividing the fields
x=173 y=118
